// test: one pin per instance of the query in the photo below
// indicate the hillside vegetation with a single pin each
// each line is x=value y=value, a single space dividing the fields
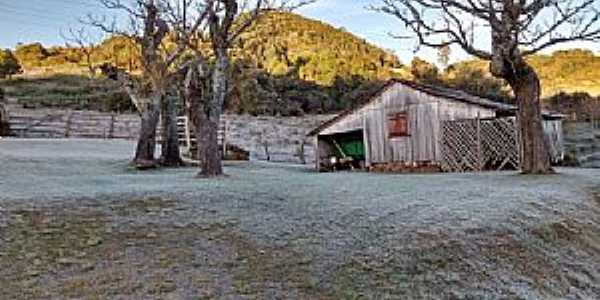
x=568 y=71
x=281 y=41
x=287 y=65
x=68 y=91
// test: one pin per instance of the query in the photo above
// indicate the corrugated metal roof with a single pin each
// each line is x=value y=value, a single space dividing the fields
x=433 y=90
x=457 y=95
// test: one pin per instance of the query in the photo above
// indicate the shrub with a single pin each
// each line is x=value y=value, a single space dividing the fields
x=8 y=64
x=31 y=55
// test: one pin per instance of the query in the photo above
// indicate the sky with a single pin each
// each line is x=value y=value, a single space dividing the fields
x=26 y=21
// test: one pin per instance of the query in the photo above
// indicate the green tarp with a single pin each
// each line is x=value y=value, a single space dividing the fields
x=353 y=148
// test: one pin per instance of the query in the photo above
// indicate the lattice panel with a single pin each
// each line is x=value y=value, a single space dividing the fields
x=475 y=145
x=500 y=144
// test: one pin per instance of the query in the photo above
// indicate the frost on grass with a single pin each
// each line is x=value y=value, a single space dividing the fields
x=78 y=253
x=279 y=231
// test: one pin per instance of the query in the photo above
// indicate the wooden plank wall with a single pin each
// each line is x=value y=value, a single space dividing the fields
x=73 y=124
x=425 y=112
x=554 y=132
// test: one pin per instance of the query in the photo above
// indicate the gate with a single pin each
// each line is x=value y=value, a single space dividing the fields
x=187 y=136
x=477 y=145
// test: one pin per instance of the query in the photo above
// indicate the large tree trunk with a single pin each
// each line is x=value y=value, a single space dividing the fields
x=535 y=157
x=208 y=143
x=208 y=148
x=146 y=145
x=206 y=133
x=170 y=154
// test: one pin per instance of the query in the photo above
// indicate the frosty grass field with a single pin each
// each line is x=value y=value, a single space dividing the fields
x=76 y=222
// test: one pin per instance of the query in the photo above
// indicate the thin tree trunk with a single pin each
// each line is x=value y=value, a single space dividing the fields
x=90 y=65
x=170 y=154
x=4 y=120
x=146 y=145
x=535 y=158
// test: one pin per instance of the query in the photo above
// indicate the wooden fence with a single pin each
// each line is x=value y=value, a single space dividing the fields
x=476 y=145
x=72 y=124
x=88 y=124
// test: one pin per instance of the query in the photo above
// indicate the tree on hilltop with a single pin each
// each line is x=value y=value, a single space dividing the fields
x=9 y=65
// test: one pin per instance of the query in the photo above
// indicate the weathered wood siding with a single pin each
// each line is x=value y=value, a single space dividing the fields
x=424 y=115
x=554 y=132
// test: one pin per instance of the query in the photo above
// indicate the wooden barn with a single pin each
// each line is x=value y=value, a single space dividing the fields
x=412 y=124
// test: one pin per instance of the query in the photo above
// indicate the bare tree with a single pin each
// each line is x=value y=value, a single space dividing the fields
x=517 y=28
x=150 y=24
x=207 y=81
x=444 y=56
x=86 y=43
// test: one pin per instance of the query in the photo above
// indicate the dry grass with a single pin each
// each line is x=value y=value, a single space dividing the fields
x=67 y=91
x=79 y=254
x=69 y=252
x=428 y=262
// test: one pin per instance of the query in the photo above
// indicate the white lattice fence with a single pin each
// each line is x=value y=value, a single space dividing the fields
x=500 y=144
x=475 y=145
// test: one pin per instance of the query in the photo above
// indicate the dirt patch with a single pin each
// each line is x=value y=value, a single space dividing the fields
x=566 y=231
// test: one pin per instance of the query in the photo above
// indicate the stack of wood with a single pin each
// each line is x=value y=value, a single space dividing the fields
x=406 y=167
x=233 y=153
x=236 y=153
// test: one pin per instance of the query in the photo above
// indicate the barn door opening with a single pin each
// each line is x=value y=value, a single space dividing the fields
x=342 y=151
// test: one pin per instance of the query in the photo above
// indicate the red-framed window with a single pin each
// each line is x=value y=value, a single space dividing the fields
x=398 y=124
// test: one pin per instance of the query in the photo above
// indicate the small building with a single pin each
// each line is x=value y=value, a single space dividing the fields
x=410 y=123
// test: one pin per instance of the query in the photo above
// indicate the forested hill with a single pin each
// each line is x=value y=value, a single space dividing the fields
x=567 y=71
x=290 y=64
x=281 y=41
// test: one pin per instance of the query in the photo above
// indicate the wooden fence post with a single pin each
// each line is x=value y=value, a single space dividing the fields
x=111 y=130
x=68 y=124
x=225 y=138
x=188 y=134
x=479 y=158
